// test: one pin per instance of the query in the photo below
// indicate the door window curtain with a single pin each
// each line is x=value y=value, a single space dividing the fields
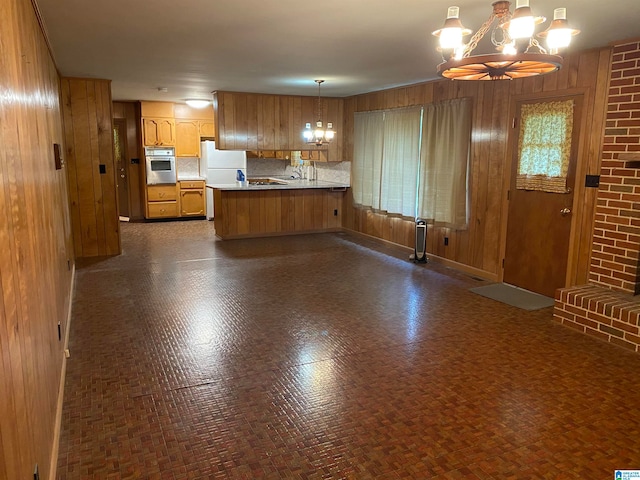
x=446 y=140
x=367 y=158
x=544 y=146
x=401 y=155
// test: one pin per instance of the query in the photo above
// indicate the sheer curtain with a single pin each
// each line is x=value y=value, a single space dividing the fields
x=446 y=138
x=401 y=155
x=367 y=158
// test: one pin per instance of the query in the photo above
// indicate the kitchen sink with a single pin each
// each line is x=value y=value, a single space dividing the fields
x=265 y=181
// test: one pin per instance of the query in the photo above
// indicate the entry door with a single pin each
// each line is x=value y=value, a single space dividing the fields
x=120 y=149
x=539 y=222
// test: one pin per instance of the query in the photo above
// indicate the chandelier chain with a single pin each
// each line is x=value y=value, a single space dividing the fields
x=536 y=44
x=473 y=43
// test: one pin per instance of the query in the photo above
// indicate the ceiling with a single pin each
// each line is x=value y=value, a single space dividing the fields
x=193 y=47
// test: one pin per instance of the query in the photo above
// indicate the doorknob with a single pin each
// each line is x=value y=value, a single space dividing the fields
x=565 y=211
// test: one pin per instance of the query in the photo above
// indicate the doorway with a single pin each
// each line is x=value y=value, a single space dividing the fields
x=541 y=193
x=122 y=179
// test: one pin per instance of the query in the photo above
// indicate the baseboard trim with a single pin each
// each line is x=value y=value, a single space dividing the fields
x=475 y=272
x=53 y=467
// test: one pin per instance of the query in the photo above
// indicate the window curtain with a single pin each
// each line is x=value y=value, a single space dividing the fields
x=367 y=158
x=401 y=155
x=446 y=140
x=544 y=146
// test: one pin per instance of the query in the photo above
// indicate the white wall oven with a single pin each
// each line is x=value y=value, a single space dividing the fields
x=161 y=165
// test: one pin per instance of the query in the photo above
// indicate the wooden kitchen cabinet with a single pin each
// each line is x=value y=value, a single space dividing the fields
x=162 y=210
x=159 y=131
x=187 y=138
x=314 y=155
x=207 y=129
x=192 y=199
x=162 y=201
x=263 y=213
x=260 y=122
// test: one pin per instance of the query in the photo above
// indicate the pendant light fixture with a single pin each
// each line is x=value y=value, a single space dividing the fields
x=318 y=136
x=521 y=55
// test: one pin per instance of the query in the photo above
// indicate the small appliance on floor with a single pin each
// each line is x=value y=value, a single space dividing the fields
x=420 y=250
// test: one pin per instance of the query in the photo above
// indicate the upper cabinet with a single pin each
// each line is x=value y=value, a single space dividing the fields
x=207 y=128
x=192 y=124
x=159 y=131
x=187 y=138
x=158 y=124
x=251 y=121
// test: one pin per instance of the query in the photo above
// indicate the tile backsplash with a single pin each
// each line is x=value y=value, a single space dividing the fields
x=337 y=172
x=188 y=167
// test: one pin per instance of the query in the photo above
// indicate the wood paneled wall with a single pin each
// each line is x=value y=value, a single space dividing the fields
x=130 y=111
x=36 y=254
x=480 y=248
x=88 y=127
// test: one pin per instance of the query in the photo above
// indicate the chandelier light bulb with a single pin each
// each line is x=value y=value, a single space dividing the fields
x=451 y=32
x=308 y=133
x=559 y=33
x=522 y=24
x=509 y=49
x=329 y=134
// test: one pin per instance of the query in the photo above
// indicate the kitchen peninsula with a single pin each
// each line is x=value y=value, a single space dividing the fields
x=277 y=206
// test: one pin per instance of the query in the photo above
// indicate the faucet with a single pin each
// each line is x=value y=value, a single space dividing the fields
x=297 y=171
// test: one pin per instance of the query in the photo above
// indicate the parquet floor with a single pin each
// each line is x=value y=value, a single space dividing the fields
x=326 y=357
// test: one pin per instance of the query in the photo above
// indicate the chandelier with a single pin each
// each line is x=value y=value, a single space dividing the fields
x=521 y=55
x=318 y=136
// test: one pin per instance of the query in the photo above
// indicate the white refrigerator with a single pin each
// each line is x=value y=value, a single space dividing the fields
x=220 y=167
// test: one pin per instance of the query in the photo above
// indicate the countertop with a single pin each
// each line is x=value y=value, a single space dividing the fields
x=187 y=178
x=291 y=184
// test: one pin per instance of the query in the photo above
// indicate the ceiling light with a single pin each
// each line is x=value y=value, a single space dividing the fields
x=318 y=136
x=195 y=103
x=521 y=55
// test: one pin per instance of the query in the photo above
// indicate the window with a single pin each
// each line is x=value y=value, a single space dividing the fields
x=413 y=161
x=544 y=146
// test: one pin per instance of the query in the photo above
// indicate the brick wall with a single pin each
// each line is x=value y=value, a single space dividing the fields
x=608 y=308
x=616 y=238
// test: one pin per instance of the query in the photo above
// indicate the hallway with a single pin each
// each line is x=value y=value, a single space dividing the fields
x=327 y=357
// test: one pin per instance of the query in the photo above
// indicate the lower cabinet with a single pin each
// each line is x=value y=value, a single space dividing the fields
x=263 y=213
x=184 y=199
x=162 y=201
x=192 y=199
x=163 y=209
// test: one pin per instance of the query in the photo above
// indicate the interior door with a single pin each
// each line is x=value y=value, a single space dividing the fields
x=539 y=222
x=120 y=151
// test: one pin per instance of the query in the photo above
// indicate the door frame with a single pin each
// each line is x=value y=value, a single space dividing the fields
x=579 y=208
x=125 y=153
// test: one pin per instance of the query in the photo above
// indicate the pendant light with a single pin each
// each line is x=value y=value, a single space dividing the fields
x=318 y=136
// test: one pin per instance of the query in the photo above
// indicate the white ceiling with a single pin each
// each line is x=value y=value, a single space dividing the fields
x=193 y=47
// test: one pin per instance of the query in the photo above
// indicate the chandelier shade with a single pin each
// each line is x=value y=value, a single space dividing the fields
x=512 y=34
